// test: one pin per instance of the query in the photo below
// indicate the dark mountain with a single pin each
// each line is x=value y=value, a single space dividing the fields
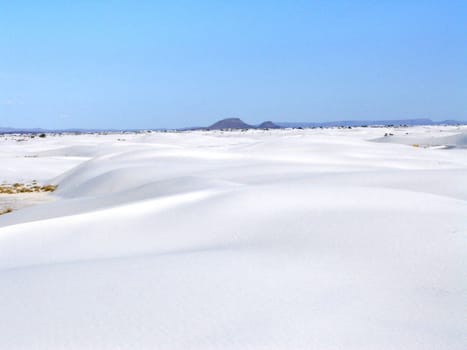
x=230 y=123
x=268 y=125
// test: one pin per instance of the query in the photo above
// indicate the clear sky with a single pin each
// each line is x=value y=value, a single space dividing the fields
x=149 y=64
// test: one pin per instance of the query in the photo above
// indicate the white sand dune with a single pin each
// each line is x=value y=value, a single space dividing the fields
x=283 y=239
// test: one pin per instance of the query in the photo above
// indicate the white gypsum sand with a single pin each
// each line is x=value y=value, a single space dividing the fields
x=282 y=239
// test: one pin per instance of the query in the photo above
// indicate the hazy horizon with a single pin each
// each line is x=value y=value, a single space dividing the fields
x=281 y=123
x=122 y=65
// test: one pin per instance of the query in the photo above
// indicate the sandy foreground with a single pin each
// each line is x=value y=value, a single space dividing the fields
x=281 y=239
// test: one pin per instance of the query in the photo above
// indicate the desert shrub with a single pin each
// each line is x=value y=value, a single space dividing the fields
x=48 y=188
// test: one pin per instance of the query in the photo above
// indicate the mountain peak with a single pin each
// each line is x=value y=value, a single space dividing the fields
x=230 y=123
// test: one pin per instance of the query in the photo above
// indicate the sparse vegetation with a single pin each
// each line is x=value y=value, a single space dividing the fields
x=26 y=188
x=5 y=210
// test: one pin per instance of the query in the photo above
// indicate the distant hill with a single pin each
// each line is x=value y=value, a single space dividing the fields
x=230 y=123
x=21 y=130
x=39 y=130
x=410 y=122
x=237 y=123
x=268 y=125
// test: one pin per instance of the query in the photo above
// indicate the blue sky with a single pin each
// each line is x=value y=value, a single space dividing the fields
x=149 y=64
